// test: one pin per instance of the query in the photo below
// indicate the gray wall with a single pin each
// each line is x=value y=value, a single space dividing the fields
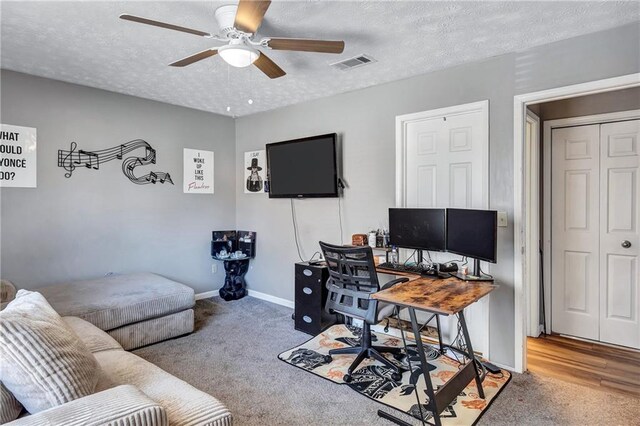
x=98 y=221
x=365 y=119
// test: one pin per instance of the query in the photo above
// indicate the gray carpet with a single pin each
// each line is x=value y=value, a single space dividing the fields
x=233 y=356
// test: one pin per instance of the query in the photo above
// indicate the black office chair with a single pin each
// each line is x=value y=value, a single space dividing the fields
x=352 y=281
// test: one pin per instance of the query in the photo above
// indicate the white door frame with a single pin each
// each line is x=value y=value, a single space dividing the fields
x=520 y=102
x=402 y=122
x=532 y=194
x=548 y=128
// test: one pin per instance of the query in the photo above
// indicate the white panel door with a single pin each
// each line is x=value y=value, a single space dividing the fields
x=446 y=165
x=445 y=162
x=575 y=301
x=620 y=238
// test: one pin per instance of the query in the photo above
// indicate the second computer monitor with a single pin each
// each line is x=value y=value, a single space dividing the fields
x=422 y=229
x=472 y=233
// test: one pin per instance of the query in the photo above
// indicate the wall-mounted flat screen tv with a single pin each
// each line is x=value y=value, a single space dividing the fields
x=303 y=168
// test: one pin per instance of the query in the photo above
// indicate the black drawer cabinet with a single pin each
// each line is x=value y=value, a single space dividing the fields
x=310 y=298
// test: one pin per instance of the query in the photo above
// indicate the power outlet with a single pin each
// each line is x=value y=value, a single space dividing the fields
x=502 y=219
x=214 y=268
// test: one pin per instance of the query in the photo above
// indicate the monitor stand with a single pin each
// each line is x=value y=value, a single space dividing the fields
x=419 y=254
x=420 y=262
x=476 y=274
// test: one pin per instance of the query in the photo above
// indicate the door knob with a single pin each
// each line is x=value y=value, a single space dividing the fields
x=626 y=244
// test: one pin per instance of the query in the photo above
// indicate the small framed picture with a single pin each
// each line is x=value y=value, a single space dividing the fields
x=255 y=172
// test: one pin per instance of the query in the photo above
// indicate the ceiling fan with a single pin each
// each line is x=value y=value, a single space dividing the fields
x=238 y=25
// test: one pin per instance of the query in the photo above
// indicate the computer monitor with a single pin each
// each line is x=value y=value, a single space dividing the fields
x=473 y=233
x=421 y=229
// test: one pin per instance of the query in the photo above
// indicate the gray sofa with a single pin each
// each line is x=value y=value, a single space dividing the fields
x=135 y=309
x=121 y=312
x=130 y=391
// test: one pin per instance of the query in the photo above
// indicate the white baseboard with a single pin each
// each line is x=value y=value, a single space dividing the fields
x=270 y=298
x=206 y=294
x=252 y=293
x=504 y=367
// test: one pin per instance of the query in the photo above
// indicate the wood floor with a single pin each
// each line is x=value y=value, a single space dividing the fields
x=586 y=363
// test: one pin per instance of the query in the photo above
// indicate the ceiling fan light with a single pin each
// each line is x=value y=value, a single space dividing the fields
x=239 y=56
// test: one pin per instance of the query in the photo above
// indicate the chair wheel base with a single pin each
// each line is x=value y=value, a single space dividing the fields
x=347 y=378
x=328 y=359
x=396 y=377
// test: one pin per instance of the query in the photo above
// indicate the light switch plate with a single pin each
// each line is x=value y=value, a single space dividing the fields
x=214 y=268
x=502 y=219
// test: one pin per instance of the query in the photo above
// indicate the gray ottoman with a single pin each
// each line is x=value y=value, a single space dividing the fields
x=135 y=309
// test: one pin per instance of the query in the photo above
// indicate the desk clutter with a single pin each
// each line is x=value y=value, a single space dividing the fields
x=373 y=380
x=374 y=239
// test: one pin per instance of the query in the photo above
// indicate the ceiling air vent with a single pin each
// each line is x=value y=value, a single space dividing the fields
x=356 y=61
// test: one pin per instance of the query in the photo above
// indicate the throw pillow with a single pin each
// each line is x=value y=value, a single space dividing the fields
x=10 y=408
x=42 y=362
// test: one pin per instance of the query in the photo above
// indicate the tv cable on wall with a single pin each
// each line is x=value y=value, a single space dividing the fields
x=296 y=237
x=295 y=229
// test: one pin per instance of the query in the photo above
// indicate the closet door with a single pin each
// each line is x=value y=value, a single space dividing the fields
x=575 y=223
x=619 y=234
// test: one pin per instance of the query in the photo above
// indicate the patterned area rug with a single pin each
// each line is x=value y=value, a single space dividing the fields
x=373 y=380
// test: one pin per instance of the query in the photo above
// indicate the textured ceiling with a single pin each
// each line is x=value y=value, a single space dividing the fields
x=84 y=42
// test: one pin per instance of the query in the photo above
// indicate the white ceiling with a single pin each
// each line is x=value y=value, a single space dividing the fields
x=84 y=42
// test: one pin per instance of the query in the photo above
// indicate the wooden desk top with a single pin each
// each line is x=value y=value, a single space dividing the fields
x=446 y=296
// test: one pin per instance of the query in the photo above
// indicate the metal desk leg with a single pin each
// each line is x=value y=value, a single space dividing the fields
x=439 y=334
x=471 y=354
x=425 y=368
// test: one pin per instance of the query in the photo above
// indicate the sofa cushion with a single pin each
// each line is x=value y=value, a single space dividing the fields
x=120 y=406
x=144 y=333
x=10 y=408
x=42 y=362
x=95 y=339
x=185 y=405
x=113 y=301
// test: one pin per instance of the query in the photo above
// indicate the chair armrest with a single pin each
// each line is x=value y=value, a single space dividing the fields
x=394 y=282
x=122 y=405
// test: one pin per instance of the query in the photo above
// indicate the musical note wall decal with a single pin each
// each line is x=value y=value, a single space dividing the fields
x=92 y=160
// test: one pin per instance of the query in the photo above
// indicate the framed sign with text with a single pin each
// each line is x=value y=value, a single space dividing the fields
x=18 y=156
x=198 y=171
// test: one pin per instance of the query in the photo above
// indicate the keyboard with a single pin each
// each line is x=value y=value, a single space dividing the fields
x=411 y=269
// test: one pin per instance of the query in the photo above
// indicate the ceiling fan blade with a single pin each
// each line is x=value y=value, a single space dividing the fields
x=250 y=14
x=140 y=20
x=306 y=45
x=267 y=66
x=195 y=58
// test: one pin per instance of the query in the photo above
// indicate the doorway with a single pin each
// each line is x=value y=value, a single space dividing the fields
x=525 y=317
